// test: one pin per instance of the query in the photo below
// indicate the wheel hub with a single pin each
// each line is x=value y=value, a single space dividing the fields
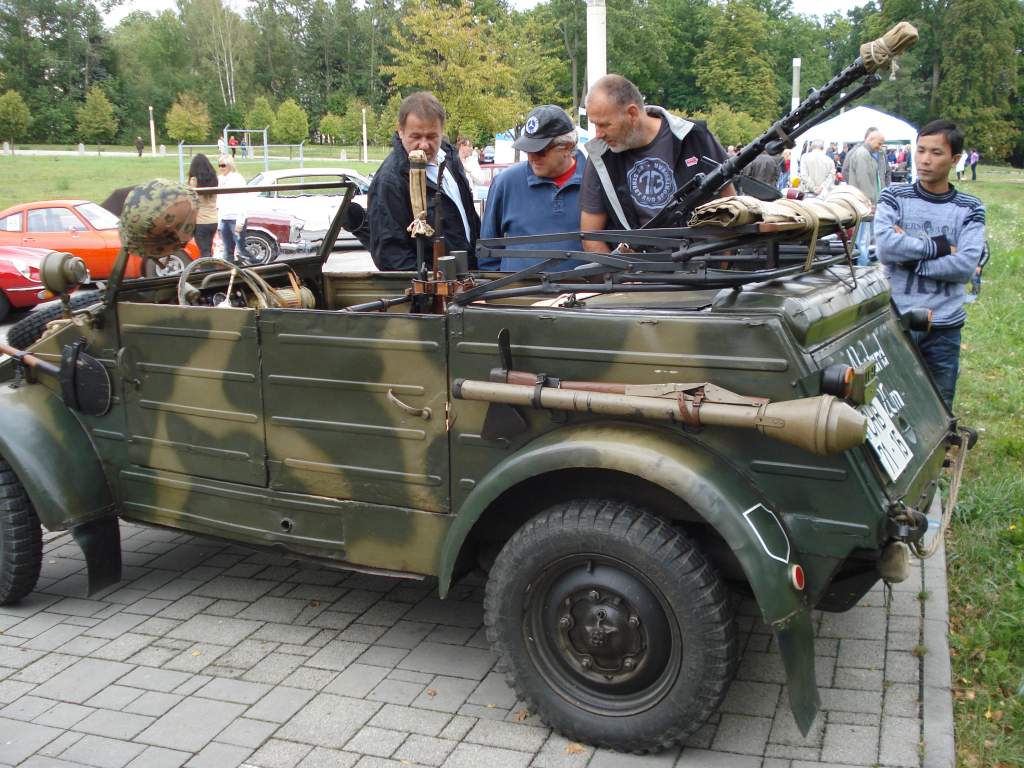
x=601 y=633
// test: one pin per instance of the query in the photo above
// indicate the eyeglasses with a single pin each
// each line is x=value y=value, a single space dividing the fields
x=548 y=148
x=221 y=165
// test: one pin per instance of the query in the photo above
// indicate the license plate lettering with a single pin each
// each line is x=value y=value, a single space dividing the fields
x=886 y=441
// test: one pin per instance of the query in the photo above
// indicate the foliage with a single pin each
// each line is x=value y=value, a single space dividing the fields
x=291 y=124
x=492 y=63
x=188 y=120
x=15 y=116
x=732 y=66
x=332 y=126
x=730 y=126
x=261 y=115
x=96 y=119
x=352 y=121
x=387 y=121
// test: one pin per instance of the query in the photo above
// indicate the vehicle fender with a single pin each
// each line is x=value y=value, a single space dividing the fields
x=53 y=458
x=704 y=481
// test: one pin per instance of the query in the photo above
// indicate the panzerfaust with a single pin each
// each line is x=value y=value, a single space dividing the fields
x=823 y=425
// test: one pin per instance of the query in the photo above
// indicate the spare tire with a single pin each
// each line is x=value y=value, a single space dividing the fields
x=27 y=331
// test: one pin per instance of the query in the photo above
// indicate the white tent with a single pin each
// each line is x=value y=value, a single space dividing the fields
x=849 y=128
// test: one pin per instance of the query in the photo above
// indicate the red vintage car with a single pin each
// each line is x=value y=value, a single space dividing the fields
x=20 y=287
x=84 y=229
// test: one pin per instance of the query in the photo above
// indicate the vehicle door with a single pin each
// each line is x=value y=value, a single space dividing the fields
x=11 y=229
x=60 y=229
x=355 y=406
x=192 y=390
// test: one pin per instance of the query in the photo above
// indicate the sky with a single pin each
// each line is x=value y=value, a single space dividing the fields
x=800 y=6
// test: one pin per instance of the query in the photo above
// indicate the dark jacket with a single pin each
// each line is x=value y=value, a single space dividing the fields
x=691 y=140
x=389 y=211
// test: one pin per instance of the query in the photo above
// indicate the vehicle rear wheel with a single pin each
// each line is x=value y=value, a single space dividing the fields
x=612 y=625
x=29 y=329
x=165 y=266
x=261 y=249
x=21 y=539
x=5 y=306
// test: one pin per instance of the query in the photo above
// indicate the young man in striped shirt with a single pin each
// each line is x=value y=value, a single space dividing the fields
x=930 y=238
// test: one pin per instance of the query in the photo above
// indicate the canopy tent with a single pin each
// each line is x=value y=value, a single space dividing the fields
x=505 y=153
x=849 y=128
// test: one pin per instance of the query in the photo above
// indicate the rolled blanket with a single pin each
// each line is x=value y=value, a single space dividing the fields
x=844 y=205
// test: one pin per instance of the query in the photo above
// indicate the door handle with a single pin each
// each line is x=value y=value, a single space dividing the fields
x=423 y=413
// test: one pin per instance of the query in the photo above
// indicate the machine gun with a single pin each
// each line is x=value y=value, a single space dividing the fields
x=810 y=112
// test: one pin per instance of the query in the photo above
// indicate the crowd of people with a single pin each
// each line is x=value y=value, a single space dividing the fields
x=928 y=235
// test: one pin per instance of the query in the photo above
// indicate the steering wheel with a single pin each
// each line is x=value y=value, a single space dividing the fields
x=265 y=295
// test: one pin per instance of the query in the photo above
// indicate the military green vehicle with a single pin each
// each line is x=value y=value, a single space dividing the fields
x=622 y=448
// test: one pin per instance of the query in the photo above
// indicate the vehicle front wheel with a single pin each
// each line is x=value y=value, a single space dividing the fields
x=612 y=625
x=21 y=539
x=262 y=249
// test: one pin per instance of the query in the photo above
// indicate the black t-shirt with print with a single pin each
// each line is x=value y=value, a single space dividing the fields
x=650 y=176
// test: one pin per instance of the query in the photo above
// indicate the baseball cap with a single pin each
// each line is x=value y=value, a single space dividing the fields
x=543 y=124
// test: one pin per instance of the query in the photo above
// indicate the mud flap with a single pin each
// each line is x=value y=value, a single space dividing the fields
x=100 y=541
x=795 y=637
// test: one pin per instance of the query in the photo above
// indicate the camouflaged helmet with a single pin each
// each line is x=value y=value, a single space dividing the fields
x=158 y=218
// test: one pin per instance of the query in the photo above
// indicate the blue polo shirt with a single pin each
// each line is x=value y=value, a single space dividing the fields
x=521 y=203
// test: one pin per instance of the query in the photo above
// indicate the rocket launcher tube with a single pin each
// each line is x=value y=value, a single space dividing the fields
x=822 y=425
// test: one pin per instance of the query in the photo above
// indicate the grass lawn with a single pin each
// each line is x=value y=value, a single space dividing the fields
x=27 y=178
x=985 y=548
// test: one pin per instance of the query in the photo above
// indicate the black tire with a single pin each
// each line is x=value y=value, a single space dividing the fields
x=5 y=306
x=261 y=249
x=611 y=625
x=21 y=539
x=27 y=331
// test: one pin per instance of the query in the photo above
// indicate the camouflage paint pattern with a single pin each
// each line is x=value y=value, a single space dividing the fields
x=333 y=435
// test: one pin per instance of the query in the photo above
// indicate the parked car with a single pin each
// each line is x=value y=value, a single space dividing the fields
x=314 y=208
x=82 y=228
x=487 y=156
x=20 y=286
x=269 y=235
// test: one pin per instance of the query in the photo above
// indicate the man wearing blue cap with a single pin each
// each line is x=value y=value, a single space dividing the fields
x=539 y=196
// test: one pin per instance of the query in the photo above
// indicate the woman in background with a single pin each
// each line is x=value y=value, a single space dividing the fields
x=230 y=207
x=201 y=174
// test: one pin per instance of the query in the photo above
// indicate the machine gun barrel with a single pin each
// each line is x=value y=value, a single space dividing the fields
x=704 y=186
x=27 y=358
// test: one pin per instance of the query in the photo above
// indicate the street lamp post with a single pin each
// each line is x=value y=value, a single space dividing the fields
x=152 y=133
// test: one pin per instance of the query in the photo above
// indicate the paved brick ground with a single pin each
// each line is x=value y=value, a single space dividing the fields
x=213 y=656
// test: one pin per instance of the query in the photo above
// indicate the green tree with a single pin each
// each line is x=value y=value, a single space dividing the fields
x=732 y=66
x=15 y=117
x=729 y=125
x=188 y=120
x=291 y=124
x=96 y=120
x=352 y=122
x=387 y=121
x=332 y=126
x=463 y=67
x=261 y=115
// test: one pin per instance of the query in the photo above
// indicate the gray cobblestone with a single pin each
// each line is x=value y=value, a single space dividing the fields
x=508 y=735
x=395 y=692
x=742 y=733
x=328 y=758
x=102 y=752
x=409 y=719
x=900 y=744
x=279 y=754
x=379 y=742
x=219 y=756
x=159 y=757
x=246 y=733
x=329 y=720
x=851 y=744
x=115 y=725
x=699 y=758
x=475 y=755
x=425 y=750
x=191 y=724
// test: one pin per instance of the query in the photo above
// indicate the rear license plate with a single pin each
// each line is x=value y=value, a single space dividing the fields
x=888 y=444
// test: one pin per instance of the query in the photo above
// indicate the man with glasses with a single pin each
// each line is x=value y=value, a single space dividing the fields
x=539 y=196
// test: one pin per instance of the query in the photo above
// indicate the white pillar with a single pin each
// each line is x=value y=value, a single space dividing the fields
x=366 y=151
x=152 y=133
x=796 y=84
x=597 y=50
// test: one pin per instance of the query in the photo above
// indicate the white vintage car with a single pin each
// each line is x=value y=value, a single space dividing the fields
x=314 y=208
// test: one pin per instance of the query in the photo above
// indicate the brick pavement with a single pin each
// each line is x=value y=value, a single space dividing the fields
x=210 y=655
